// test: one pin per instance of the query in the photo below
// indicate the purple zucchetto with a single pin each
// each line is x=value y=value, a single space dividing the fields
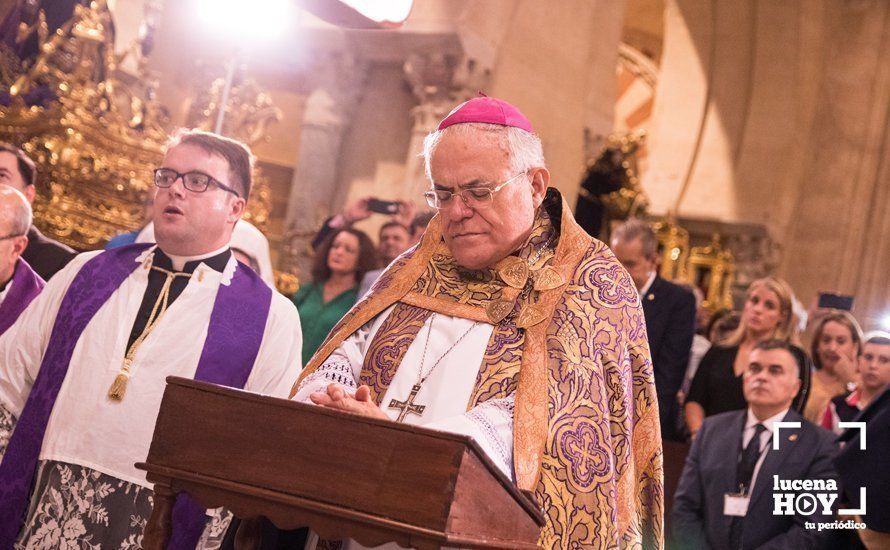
x=486 y=110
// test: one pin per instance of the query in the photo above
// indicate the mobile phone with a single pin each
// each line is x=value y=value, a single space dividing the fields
x=383 y=207
x=829 y=300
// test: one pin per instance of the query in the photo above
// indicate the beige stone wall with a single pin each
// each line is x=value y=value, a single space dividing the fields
x=775 y=114
x=556 y=65
x=839 y=235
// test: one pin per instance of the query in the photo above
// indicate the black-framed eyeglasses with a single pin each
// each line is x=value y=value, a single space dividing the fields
x=473 y=197
x=193 y=181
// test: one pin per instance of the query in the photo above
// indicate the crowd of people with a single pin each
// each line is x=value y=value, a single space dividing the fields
x=719 y=377
x=583 y=362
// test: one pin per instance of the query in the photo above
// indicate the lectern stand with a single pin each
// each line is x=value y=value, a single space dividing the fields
x=342 y=475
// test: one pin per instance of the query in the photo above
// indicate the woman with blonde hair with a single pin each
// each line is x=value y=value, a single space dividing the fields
x=835 y=346
x=717 y=385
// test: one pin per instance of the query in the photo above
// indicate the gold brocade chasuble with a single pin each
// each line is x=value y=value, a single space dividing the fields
x=570 y=340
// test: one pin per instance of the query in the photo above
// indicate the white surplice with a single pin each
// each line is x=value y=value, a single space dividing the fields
x=86 y=427
x=5 y=291
x=446 y=392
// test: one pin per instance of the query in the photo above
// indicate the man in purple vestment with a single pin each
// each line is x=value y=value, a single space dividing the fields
x=83 y=369
x=18 y=282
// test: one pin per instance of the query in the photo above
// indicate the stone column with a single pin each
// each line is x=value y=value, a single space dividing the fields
x=838 y=239
x=335 y=90
x=439 y=82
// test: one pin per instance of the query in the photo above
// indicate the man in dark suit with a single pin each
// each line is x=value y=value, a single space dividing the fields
x=43 y=254
x=670 y=317
x=726 y=497
x=868 y=467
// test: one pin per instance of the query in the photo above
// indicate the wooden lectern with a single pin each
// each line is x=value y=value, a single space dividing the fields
x=343 y=475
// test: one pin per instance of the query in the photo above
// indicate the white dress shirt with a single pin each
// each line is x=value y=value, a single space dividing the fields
x=765 y=438
x=648 y=284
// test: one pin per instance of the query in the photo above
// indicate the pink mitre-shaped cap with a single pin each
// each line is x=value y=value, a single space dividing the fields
x=487 y=110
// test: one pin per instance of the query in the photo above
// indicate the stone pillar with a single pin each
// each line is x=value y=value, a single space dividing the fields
x=337 y=81
x=839 y=238
x=439 y=82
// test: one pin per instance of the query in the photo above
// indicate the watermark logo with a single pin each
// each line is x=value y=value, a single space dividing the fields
x=803 y=496
x=811 y=496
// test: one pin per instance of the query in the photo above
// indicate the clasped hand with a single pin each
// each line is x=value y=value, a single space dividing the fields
x=336 y=397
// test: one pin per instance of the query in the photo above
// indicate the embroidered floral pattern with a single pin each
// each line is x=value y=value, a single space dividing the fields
x=74 y=507
x=584 y=449
x=215 y=532
x=389 y=346
x=7 y=424
x=78 y=508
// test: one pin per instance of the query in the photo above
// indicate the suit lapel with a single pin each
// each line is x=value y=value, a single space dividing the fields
x=727 y=452
x=649 y=303
x=788 y=439
x=653 y=290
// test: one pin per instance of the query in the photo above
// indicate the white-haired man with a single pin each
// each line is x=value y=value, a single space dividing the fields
x=508 y=305
x=19 y=285
x=84 y=367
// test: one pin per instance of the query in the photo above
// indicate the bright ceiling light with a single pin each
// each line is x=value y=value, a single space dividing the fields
x=394 y=11
x=255 y=20
x=885 y=322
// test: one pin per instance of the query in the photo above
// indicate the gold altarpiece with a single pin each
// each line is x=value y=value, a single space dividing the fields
x=93 y=156
x=709 y=268
x=97 y=142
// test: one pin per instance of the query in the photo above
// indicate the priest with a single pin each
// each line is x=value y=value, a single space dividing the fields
x=19 y=285
x=510 y=324
x=84 y=367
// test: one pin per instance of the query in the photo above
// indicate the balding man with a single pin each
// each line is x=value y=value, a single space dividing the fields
x=18 y=282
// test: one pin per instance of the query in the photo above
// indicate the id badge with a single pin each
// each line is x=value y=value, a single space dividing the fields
x=735 y=505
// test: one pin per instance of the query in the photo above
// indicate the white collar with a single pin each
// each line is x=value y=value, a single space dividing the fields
x=649 y=282
x=180 y=261
x=227 y=274
x=768 y=423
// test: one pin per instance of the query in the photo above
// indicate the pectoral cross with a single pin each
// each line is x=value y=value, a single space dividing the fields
x=407 y=406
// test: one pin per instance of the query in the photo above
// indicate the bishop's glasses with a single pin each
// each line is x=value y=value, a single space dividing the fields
x=473 y=197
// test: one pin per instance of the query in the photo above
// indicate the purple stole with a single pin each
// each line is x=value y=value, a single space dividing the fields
x=237 y=324
x=25 y=286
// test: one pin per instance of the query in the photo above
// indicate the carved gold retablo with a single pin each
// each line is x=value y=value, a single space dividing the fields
x=514 y=271
x=531 y=315
x=497 y=310
x=547 y=278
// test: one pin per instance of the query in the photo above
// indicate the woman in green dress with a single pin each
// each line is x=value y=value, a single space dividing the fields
x=340 y=263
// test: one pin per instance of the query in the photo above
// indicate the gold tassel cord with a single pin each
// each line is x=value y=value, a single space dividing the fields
x=119 y=387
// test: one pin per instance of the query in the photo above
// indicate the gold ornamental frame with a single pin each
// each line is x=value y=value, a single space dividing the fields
x=711 y=269
x=673 y=248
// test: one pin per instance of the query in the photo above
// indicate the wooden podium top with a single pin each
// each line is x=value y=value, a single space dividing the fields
x=343 y=475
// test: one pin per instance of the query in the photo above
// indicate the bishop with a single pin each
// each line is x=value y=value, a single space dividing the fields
x=510 y=324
